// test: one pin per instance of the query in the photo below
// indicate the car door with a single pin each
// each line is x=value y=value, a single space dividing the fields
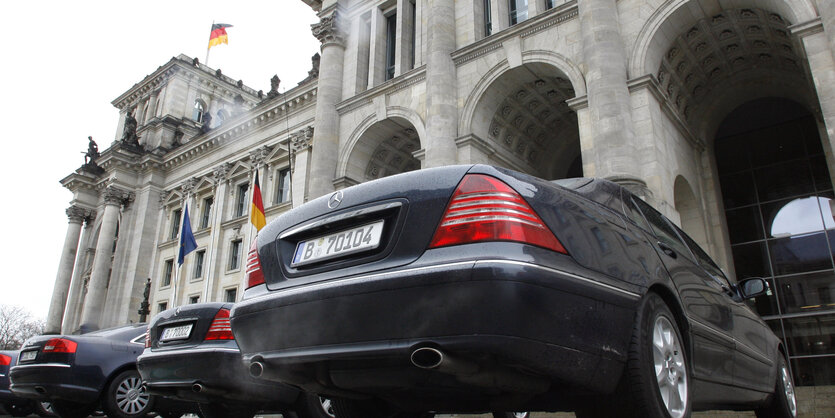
x=703 y=300
x=751 y=357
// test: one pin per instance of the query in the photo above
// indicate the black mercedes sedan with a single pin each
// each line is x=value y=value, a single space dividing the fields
x=11 y=404
x=80 y=374
x=476 y=288
x=191 y=355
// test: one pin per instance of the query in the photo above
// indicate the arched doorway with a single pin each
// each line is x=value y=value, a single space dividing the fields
x=384 y=149
x=524 y=116
x=777 y=195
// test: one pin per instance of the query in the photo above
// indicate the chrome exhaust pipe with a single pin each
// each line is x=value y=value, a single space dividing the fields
x=256 y=369
x=197 y=388
x=470 y=372
x=434 y=359
x=427 y=358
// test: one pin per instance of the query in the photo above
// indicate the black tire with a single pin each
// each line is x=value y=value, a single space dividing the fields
x=657 y=344
x=783 y=402
x=66 y=409
x=349 y=408
x=218 y=410
x=311 y=405
x=511 y=415
x=125 y=397
x=19 y=409
x=44 y=409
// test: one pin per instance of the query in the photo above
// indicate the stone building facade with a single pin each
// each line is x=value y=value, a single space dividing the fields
x=720 y=113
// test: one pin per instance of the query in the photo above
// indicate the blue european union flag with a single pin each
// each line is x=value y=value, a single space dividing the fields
x=187 y=241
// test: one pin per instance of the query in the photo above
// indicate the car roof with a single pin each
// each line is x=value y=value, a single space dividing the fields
x=598 y=190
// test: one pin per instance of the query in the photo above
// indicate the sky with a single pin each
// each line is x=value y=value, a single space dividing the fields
x=63 y=62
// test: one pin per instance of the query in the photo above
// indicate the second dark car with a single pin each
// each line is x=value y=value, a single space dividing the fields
x=475 y=288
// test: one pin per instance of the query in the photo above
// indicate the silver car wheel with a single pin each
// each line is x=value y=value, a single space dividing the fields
x=788 y=390
x=327 y=406
x=131 y=397
x=520 y=415
x=670 y=369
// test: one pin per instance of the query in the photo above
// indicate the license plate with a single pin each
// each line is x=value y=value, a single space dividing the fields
x=337 y=244
x=176 y=333
x=28 y=355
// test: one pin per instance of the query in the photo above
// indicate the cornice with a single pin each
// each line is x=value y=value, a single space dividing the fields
x=802 y=30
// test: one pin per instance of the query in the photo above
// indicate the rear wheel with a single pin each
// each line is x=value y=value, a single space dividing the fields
x=66 y=409
x=125 y=397
x=658 y=371
x=44 y=409
x=349 y=408
x=217 y=410
x=783 y=402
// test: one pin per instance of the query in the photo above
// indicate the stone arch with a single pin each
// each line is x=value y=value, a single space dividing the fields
x=521 y=117
x=651 y=42
x=690 y=211
x=379 y=148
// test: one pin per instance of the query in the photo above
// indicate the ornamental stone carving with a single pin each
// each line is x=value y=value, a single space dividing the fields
x=188 y=186
x=327 y=31
x=116 y=196
x=258 y=158
x=220 y=172
x=77 y=214
x=301 y=140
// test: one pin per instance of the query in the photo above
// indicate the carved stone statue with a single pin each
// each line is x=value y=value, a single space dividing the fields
x=274 y=82
x=207 y=122
x=92 y=151
x=129 y=134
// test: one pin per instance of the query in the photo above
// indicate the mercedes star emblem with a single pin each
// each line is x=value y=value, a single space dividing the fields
x=335 y=199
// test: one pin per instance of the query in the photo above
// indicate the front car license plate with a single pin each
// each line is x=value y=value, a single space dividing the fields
x=28 y=355
x=337 y=244
x=176 y=333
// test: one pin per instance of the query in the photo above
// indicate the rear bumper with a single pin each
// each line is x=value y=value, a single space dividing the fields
x=49 y=381
x=219 y=371
x=355 y=335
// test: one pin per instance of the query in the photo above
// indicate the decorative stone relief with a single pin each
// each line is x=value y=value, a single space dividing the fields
x=220 y=173
x=187 y=186
x=116 y=196
x=258 y=157
x=77 y=214
x=327 y=31
x=302 y=139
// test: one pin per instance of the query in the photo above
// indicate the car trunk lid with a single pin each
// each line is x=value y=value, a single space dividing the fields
x=185 y=326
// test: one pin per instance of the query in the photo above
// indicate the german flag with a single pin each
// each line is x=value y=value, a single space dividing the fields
x=218 y=35
x=257 y=216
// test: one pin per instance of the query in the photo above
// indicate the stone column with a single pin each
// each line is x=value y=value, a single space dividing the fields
x=441 y=93
x=612 y=155
x=99 y=277
x=212 y=265
x=61 y=289
x=72 y=307
x=326 y=136
x=826 y=9
x=403 y=49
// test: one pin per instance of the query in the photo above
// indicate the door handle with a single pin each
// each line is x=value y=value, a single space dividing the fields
x=667 y=250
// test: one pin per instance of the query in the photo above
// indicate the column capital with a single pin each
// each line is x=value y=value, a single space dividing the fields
x=258 y=157
x=302 y=139
x=220 y=172
x=77 y=214
x=327 y=31
x=187 y=186
x=116 y=196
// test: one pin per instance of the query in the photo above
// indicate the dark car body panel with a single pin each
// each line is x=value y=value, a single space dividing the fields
x=345 y=327
x=80 y=376
x=173 y=368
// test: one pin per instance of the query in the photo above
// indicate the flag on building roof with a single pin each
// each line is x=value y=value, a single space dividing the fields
x=218 y=35
x=187 y=241
x=258 y=219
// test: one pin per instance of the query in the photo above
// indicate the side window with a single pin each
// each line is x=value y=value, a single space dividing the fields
x=662 y=229
x=704 y=260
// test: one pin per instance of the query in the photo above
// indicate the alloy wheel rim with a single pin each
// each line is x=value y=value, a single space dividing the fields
x=327 y=406
x=520 y=415
x=670 y=369
x=788 y=390
x=131 y=397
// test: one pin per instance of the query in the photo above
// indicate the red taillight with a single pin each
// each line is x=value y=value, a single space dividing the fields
x=5 y=360
x=254 y=275
x=484 y=208
x=60 y=345
x=221 y=328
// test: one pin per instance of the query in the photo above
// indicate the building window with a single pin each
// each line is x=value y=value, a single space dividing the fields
x=167 y=270
x=282 y=193
x=241 y=202
x=488 y=18
x=549 y=4
x=207 y=212
x=391 y=43
x=199 y=110
x=175 y=223
x=235 y=255
x=518 y=11
x=198 y=263
x=162 y=306
x=231 y=295
x=193 y=299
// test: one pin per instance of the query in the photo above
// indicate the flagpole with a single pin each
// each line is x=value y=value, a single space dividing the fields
x=177 y=270
x=209 y=46
x=251 y=199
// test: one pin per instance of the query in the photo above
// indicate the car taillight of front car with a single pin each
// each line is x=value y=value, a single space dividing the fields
x=484 y=208
x=254 y=274
x=60 y=345
x=221 y=328
x=5 y=360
